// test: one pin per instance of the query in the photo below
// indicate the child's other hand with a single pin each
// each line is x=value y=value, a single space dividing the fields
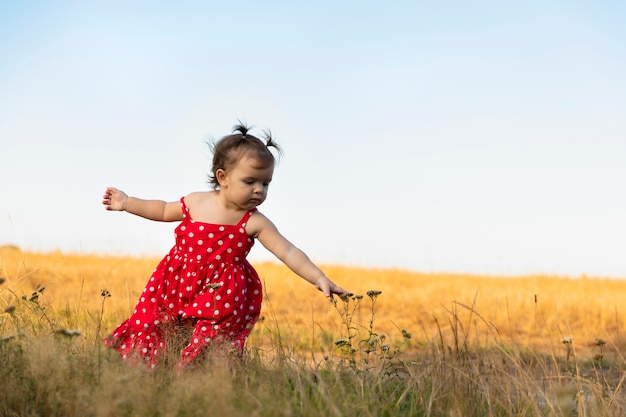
x=329 y=288
x=114 y=199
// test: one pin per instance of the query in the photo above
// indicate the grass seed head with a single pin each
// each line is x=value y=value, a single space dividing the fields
x=68 y=332
x=214 y=286
x=346 y=297
x=342 y=343
x=373 y=294
x=2 y=280
x=9 y=309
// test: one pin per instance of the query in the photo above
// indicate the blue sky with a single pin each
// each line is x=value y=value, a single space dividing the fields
x=484 y=137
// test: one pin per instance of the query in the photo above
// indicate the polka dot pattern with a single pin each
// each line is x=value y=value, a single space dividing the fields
x=206 y=281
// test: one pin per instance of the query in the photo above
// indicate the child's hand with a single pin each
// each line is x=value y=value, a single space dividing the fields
x=329 y=288
x=114 y=199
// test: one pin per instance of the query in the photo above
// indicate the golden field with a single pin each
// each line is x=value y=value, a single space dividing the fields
x=538 y=311
x=570 y=331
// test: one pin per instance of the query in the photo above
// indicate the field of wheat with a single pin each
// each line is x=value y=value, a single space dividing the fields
x=405 y=343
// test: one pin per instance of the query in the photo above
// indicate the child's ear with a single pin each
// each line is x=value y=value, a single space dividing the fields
x=221 y=177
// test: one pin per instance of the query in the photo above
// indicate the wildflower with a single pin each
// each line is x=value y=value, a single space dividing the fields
x=9 y=309
x=346 y=297
x=333 y=301
x=373 y=294
x=33 y=297
x=406 y=334
x=105 y=293
x=68 y=332
x=358 y=297
x=342 y=342
x=600 y=342
x=214 y=286
x=567 y=340
x=385 y=348
x=40 y=289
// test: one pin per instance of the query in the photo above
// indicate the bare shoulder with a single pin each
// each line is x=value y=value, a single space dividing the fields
x=198 y=197
x=203 y=207
x=257 y=223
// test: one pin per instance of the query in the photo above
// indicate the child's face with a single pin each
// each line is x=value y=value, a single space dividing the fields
x=246 y=183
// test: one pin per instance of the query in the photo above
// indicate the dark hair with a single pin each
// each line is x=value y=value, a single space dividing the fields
x=231 y=148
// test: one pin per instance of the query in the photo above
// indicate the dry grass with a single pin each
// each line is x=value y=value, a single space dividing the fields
x=429 y=345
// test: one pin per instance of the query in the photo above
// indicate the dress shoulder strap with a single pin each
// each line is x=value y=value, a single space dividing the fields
x=245 y=217
x=183 y=207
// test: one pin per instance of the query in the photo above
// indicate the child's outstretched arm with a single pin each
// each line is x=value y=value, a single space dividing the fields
x=290 y=255
x=159 y=210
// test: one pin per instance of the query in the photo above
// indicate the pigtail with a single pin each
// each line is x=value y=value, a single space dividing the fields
x=270 y=143
x=241 y=128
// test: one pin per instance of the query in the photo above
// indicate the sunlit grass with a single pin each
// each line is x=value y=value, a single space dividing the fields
x=403 y=343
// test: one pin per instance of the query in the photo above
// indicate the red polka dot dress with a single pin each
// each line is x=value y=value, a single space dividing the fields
x=206 y=281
